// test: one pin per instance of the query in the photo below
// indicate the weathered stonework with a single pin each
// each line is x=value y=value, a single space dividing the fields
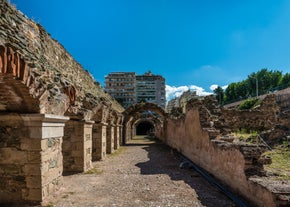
x=31 y=163
x=238 y=165
x=110 y=138
x=99 y=141
x=133 y=115
x=117 y=137
x=38 y=76
x=77 y=146
x=53 y=77
x=261 y=118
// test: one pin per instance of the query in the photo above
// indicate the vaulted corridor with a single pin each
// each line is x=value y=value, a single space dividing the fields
x=143 y=173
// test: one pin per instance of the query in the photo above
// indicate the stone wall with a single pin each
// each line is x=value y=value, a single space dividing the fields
x=45 y=67
x=237 y=164
x=225 y=161
x=13 y=157
x=39 y=77
x=264 y=117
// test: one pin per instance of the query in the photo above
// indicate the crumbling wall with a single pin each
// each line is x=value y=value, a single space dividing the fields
x=40 y=79
x=237 y=164
x=264 y=117
x=45 y=67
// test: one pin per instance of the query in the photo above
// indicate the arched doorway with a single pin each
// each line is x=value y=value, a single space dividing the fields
x=140 y=118
x=144 y=128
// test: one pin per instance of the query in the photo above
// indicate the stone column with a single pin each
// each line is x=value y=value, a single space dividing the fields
x=110 y=138
x=30 y=156
x=99 y=141
x=133 y=131
x=117 y=137
x=33 y=163
x=121 y=135
x=77 y=146
x=43 y=155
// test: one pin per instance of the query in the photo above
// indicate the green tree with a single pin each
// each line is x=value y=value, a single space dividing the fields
x=263 y=81
x=285 y=82
x=219 y=94
x=242 y=89
x=230 y=93
x=257 y=83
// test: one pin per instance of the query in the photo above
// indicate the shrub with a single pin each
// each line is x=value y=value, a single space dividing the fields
x=249 y=104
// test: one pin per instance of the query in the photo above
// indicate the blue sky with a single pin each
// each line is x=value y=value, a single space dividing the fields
x=194 y=44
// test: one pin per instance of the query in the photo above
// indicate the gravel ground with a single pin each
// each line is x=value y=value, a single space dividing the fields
x=143 y=173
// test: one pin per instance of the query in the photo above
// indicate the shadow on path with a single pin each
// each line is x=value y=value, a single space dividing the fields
x=164 y=160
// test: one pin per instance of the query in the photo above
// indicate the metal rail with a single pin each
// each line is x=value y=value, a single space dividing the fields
x=263 y=141
x=212 y=181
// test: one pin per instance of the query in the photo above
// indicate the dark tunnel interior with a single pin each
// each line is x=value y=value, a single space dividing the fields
x=144 y=128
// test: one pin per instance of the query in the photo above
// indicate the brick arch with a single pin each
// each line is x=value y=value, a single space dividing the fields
x=152 y=120
x=134 y=113
x=141 y=107
x=14 y=83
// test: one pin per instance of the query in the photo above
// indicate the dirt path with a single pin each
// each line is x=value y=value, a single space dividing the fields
x=143 y=173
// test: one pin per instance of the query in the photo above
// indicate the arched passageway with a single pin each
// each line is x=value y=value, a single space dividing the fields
x=143 y=119
x=144 y=128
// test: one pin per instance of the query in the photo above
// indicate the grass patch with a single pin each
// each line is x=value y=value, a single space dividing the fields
x=246 y=135
x=117 y=152
x=94 y=170
x=280 y=165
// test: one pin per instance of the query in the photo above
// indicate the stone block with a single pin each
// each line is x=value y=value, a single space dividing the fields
x=34 y=157
x=76 y=153
x=32 y=169
x=33 y=181
x=44 y=125
x=30 y=144
x=12 y=155
x=34 y=194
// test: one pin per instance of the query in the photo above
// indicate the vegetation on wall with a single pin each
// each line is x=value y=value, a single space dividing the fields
x=249 y=103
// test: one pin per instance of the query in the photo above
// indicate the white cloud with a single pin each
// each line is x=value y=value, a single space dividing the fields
x=213 y=87
x=225 y=87
x=173 y=91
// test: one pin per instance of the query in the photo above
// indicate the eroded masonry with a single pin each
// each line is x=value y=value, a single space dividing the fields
x=56 y=119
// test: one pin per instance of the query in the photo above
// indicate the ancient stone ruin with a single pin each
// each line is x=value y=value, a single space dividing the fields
x=202 y=134
x=56 y=119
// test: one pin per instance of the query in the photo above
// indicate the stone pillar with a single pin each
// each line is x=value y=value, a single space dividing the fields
x=99 y=141
x=133 y=131
x=117 y=137
x=31 y=156
x=121 y=135
x=45 y=165
x=110 y=138
x=77 y=146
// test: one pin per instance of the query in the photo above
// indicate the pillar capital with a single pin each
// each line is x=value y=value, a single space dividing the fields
x=44 y=125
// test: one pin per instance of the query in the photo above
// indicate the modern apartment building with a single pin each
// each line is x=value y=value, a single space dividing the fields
x=128 y=88
x=151 y=88
x=122 y=87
